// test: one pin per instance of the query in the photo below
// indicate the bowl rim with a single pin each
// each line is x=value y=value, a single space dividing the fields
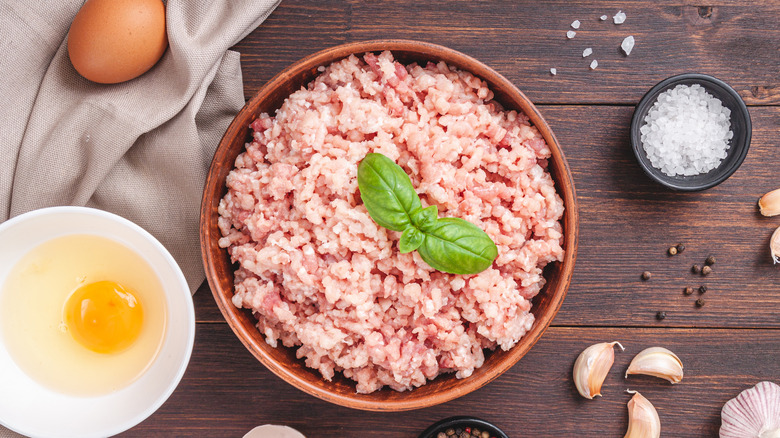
x=187 y=313
x=636 y=121
x=324 y=57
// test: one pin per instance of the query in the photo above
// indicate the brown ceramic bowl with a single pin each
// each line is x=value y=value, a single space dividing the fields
x=282 y=361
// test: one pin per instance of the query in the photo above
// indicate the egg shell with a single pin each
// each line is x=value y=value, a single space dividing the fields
x=112 y=41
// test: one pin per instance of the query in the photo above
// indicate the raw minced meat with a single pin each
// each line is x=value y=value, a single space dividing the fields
x=321 y=276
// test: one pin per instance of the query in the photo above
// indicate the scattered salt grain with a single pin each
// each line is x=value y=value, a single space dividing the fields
x=575 y=24
x=603 y=18
x=570 y=34
x=587 y=52
x=619 y=18
x=627 y=45
x=686 y=132
x=553 y=71
x=594 y=64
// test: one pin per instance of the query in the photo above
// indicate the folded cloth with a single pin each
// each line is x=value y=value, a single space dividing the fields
x=140 y=149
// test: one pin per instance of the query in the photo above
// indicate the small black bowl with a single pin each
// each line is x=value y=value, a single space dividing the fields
x=462 y=422
x=738 y=145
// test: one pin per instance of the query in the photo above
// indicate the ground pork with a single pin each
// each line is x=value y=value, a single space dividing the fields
x=322 y=277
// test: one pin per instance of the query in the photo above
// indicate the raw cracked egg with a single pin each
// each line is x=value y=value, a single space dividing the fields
x=103 y=316
x=113 y=41
x=82 y=314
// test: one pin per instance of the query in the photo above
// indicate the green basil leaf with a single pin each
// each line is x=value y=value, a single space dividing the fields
x=411 y=239
x=425 y=218
x=457 y=246
x=387 y=192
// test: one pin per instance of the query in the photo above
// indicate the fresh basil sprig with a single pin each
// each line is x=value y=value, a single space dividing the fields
x=450 y=245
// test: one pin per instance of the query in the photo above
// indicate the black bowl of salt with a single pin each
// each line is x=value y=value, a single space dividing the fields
x=690 y=132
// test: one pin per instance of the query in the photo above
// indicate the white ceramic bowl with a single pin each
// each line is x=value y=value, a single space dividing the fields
x=34 y=410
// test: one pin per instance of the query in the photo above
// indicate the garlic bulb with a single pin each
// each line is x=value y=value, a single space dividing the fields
x=592 y=366
x=774 y=245
x=643 y=421
x=658 y=362
x=754 y=413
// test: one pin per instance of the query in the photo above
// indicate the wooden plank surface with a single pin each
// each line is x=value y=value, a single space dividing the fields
x=736 y=41
x=627 y=222
x=226 y=392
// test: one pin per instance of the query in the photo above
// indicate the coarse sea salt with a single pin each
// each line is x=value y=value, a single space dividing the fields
x=587 y=52
x=575 y=24
x=570 y=34
x=627 y=45
x=686 y=132
x=594 y=64
x=603 y=18
x=619 y=18
x=553 y=71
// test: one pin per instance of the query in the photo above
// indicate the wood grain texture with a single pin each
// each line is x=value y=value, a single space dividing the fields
x=736 y=41
x=226 y=392
x=626 y=221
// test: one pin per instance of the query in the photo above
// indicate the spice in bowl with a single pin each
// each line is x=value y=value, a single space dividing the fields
x=463 y=427
x=687 y=131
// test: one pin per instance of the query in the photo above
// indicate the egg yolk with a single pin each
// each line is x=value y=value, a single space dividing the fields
x=104 y=316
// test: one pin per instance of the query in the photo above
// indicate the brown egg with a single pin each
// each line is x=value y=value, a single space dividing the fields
x=113 y=41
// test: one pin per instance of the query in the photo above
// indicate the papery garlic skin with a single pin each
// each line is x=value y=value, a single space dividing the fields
x=774 y=245
x=769 y=204
x=754 y=413
x=658 y=362
x=592 y=366
x=643 y=421
x=770 y=433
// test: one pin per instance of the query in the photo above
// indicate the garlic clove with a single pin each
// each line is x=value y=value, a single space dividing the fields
x=658 y=362
x=643 y=421
x=592 y=366
x=754 y=413
x=774 y=245
x=769 y=204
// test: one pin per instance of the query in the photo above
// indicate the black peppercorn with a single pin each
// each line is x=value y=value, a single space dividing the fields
x=660 y=315
x=706 y=270
x=680 y=248
x=700 y=302
x=672 y=250
x=695 y=269
x=710 y=261
x=646 y=275
x=702 y=289
x=688 y=290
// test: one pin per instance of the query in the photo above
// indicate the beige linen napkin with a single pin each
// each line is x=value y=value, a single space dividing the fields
x=140 y=149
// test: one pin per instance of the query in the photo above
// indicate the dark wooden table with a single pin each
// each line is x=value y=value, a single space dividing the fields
x=627 y=221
